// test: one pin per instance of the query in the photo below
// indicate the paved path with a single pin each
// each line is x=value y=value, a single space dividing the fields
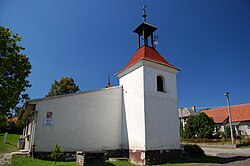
x=5 y=158
x=216 y=151
x=229 y=157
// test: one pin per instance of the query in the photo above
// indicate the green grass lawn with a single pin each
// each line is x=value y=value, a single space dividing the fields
x=28 y=161
x=11 y=143
x=245 y=147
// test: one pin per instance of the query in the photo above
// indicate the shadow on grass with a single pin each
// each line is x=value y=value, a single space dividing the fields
x=10 y=144
x=212 y=159
x=109 y=164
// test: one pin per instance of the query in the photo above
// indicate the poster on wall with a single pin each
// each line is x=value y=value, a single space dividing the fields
x=49 y=115
x=48 y=121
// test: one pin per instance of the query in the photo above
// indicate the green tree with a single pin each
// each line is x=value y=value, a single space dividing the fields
x=57 y=153
x=65 y=86
x=14 y=70
x=199 y=126
x=227 y=132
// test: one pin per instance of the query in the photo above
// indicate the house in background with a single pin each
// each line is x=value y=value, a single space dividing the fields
x=240 y=117
x=12 y=119
x=184 y=113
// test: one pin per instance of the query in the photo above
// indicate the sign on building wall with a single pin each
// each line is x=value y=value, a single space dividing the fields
x=49 y=119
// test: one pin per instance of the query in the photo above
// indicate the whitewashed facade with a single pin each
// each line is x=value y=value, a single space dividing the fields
x=137 y=119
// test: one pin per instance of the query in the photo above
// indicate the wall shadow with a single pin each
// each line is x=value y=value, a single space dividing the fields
x=125 y=141
x=211 y=159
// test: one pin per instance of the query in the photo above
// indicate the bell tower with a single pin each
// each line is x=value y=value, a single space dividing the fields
x=145 y=31
x=150 y=102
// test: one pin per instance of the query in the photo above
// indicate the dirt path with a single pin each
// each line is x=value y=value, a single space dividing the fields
x=5 y=158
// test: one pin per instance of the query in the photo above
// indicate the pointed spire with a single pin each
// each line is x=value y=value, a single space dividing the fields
x=109 y=85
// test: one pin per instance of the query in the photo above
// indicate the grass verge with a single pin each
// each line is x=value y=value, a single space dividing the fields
x=28 y=161
x=185 y=161
x=244 y=147
x=11 y=143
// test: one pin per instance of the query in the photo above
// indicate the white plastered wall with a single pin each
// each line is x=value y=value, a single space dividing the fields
x=133 y=93
x=86 y=121
x=162 y=127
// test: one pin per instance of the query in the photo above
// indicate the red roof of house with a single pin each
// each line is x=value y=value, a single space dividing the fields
x=239 y=113
x=13 y=119
x=148 y=53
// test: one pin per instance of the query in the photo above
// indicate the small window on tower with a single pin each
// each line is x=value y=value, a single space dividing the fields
x=160 y=84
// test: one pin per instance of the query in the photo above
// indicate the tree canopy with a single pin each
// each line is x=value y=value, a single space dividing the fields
x=14 y=70
x=199 y=126
x=65 y=86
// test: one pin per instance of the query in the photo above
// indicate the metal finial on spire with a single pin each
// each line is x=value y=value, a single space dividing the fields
x=109 y=85
x=109 y=79
x=144 y=13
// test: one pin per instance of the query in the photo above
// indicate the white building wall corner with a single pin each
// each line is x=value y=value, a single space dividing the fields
x=88 y=121
x=161 y=115
x=133 y=93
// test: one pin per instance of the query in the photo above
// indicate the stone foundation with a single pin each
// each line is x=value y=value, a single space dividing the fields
x=138 y=157
x=141 y=157
x=72 y=155
x=67 y=156
x=90 y=158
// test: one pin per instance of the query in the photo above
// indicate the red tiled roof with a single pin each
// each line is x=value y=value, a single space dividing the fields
x=148 y=53
x=13 y=119
x=239 y=113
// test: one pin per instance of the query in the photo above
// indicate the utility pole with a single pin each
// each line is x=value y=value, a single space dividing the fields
x=182 y=124
x=229 y=115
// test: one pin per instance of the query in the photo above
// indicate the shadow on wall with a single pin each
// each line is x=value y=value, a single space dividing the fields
x=125 y=141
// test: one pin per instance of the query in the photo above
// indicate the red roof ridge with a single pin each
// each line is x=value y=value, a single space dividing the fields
x=147 y=53
x=239 y=113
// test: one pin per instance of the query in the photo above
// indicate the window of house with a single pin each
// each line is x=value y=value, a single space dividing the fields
x=160 y=84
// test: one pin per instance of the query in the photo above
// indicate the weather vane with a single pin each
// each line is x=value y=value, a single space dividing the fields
x=144 y=13
x=155 y=40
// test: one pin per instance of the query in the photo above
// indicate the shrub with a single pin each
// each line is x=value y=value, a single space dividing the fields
x=227 y=132
x=57 y=153
x=200 y=126
x=193 y=151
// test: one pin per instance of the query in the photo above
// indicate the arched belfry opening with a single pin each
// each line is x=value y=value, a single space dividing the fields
x=160 y=84
x=145 y=31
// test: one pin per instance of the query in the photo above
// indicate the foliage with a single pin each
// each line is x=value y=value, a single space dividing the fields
x=3 y=123
x=15 y=128
x=227 y=132
x=65 y=86
x=199 y=126
x=11 y=127
x=57 y=153
x=181 y=130
x=193 y=150
x=14 y=69
x=11 y=143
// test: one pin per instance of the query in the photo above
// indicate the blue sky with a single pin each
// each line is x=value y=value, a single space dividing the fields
x=87 y=40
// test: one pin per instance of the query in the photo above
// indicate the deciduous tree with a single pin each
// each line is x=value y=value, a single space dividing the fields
x=14 y=70
x=65 y=86
x=199 y=126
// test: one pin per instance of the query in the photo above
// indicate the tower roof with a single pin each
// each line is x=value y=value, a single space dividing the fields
x=147 y=28
x=150 y=54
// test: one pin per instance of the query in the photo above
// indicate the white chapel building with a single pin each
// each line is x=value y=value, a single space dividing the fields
x=137 y=119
